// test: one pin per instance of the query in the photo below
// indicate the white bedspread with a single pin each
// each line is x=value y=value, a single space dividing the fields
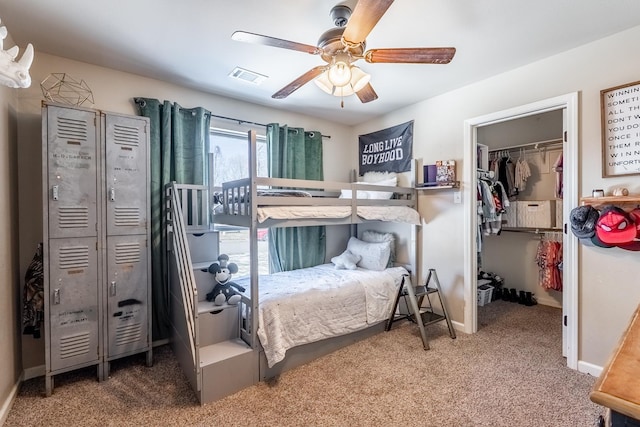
x=311 y=304
x=381 y=213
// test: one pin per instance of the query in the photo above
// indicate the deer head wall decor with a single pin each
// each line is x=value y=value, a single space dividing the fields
x=14 y=74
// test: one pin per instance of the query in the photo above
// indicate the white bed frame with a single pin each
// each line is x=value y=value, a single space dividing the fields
x=189 y=206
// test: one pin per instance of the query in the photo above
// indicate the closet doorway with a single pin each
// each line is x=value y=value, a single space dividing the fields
x=567 y=105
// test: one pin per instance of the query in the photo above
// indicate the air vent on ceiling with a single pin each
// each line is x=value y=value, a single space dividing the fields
x=247 y=76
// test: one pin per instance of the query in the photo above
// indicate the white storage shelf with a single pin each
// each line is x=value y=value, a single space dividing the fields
x=455 y=184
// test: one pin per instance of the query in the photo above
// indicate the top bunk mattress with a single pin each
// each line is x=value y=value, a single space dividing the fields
x=370 y=213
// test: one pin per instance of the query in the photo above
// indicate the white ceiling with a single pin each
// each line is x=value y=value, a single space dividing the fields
x=188 y=42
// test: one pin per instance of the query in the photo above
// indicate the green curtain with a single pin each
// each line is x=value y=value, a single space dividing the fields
x=294 y=153
x=179 y=148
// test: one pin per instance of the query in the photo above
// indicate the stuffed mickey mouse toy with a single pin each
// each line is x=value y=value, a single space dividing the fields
x=224 y=291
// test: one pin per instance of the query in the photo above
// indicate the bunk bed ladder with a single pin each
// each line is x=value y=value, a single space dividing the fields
x=185 y=334
x=416 y=312
x=209 y=340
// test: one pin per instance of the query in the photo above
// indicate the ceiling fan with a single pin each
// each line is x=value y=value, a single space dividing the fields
x=345 y=44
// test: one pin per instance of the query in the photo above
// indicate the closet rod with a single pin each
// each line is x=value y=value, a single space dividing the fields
x=533 y=145
x=533 y=230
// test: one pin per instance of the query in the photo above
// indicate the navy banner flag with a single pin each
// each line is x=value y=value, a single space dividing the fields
x=388 y=150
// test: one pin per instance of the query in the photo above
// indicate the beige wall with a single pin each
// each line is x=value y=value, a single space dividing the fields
x=113 y=91
x=608 y=292
x=10 y=296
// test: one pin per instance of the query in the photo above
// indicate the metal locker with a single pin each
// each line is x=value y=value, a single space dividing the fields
x=127 y=298
x=74 y=310
x=96 y=260
x=125 y=174
x=71 y=172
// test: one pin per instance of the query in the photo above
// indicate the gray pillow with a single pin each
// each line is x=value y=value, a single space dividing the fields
x=373 y=236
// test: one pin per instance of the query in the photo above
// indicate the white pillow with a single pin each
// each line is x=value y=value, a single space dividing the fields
x=373 y=236
x=347 y=194
x=364 y=194
x=346 y=260
x=391 y=182
x=375 y=256
x=378 y=176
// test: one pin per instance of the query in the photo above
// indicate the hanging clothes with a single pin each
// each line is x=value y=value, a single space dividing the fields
x=549 y=261
x=492 y=203
x=33 y=296
x=557 y=167
x=522 y=173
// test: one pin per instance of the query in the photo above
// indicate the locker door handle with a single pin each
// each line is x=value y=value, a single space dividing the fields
x=113 y=289
x=54 y=192
x=56 y=296
x=112 y=194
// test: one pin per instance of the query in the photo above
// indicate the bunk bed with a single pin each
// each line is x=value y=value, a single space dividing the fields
x=255 y=202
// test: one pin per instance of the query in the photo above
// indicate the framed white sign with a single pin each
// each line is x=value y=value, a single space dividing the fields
x=620 y=110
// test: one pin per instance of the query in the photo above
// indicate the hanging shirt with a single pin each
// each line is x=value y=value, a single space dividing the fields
x=557 y=166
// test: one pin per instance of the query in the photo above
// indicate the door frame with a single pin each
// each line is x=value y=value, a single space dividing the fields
x=568 y=103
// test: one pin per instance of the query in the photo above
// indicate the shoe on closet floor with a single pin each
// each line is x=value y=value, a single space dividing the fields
x=514 y=295
x=529 y=299
x=522 y=298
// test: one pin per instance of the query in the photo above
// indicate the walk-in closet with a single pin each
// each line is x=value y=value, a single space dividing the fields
x=520 y=214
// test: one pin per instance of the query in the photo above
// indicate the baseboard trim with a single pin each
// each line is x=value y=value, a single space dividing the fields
x=548 y=302
x=33 y=372
x=458 y=326
x=158 y=343
x=8 y=403
x=589 y=368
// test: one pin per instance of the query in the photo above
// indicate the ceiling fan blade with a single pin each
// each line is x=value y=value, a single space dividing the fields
x=365 y=16
x=299 y=82
x=367 y=94
x=418 y=55
x=243 y=36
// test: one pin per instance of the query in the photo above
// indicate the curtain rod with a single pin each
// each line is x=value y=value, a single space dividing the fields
x=141 y=102
x=240 y=121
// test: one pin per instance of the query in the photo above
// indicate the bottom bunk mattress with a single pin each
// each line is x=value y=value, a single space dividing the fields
x=311 y=304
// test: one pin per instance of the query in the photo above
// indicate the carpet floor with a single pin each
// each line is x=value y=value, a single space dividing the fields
x=510 y=373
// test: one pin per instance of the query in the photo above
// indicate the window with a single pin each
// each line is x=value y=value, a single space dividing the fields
x=229 y=160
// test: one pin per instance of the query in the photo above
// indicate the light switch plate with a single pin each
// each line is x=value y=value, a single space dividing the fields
x=457 y=197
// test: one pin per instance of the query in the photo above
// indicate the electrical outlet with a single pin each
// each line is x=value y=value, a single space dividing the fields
x=457 y=197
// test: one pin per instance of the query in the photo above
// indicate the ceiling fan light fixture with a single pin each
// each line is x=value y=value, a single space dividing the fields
x=322 y=81
x=343 y=91
x=340 y=73
x=359 y=78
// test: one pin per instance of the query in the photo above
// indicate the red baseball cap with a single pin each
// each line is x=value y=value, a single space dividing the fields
x=615 y=226
x=634 y=245
x=635 y=216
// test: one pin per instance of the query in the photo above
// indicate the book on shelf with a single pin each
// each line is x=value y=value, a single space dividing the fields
x=445 y=172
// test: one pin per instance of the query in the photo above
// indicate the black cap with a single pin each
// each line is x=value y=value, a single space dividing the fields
x=583 y=221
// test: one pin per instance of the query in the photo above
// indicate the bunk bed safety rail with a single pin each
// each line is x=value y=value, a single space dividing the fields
x=235 y=198
x=188 y=289
x=245 y=320
x=194 y=204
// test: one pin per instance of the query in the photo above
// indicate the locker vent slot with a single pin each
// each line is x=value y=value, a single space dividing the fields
x=75 y=345
x=74 y=257
x=128 y=334
x=72 y=129
x=127 y=253
x=126 y=216
x=73 y=217
x=126 y=135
